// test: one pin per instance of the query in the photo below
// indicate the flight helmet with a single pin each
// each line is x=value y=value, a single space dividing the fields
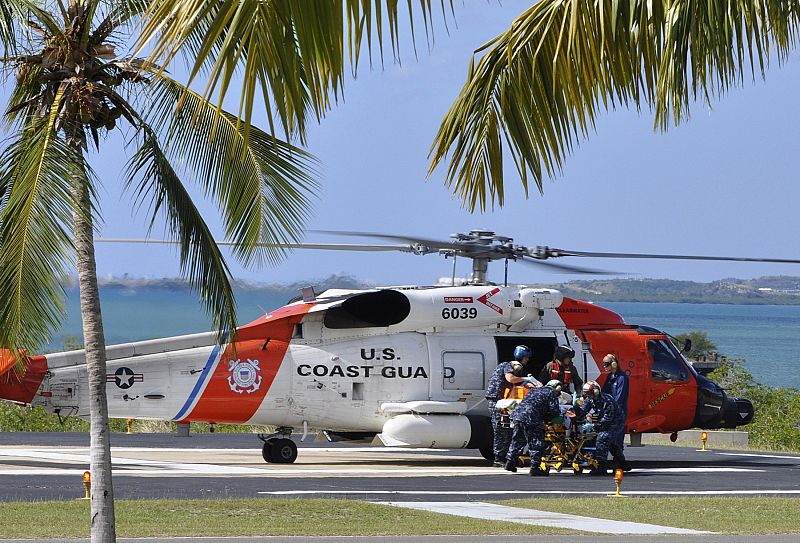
x=564 y=351
x=554 y=384
x=590 y=389
x=522 y=351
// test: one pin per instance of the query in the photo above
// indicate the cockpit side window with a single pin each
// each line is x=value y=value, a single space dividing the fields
x=667 y=365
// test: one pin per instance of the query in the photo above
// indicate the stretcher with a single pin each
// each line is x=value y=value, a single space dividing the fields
x=563 y=447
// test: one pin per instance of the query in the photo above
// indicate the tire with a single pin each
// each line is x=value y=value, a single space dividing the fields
x=283 y=451
x=487 y=452
x=266 y=451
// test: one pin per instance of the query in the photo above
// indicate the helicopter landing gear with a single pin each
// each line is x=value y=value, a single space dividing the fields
x=278 y=447
x=487 y=452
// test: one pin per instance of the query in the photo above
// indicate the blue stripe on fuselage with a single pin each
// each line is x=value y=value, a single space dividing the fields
x=199 y=384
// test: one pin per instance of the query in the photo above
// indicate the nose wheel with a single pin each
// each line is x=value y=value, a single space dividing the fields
x=278 y=448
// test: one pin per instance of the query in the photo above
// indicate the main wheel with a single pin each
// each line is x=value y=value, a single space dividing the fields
x=283 y=451
x=487 y=452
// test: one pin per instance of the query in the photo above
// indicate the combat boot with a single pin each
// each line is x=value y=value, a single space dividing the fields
x=622 y=464
x=537 y=471
x=601 y=469
x=511 y=465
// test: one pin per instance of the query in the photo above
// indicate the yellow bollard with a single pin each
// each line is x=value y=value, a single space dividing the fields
x=618 y=473
x=87 y=484
x=703 y=438
x=130 y=426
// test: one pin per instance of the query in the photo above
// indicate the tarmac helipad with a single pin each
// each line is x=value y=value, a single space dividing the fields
x=50 y=466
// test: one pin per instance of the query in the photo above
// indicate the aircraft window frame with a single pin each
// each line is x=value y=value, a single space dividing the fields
x=666 y=364
x=481 y=379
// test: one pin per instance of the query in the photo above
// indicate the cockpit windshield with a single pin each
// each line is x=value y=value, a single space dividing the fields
x=667 y=363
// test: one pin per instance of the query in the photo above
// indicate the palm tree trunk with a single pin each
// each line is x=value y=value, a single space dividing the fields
x=102 y=504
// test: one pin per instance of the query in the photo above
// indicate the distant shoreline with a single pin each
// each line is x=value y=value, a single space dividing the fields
x=768 y=290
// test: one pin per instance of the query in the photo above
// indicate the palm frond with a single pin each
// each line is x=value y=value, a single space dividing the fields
x=535 y=90
x=152 y=178
x=35 y=235
x=262 y=184
x=25 y=99
x=291 y=53
x=12 y=18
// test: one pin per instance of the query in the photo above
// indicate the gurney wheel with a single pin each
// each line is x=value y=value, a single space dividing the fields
x=577 y=469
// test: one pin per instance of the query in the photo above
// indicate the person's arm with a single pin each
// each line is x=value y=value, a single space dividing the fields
x=608 y=416
x=576 y=379
x=513 y=379
x=618 y=389
x=544 y=375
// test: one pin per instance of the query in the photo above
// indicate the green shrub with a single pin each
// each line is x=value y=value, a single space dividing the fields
x=776 y=425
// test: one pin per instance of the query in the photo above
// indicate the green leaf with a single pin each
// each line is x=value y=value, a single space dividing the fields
x=535 y=91
x=154 y=180
x=261 y=183
x=35 y=233
x=291 y=53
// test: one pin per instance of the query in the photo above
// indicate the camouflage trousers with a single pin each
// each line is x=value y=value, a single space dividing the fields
x=608 y=441
x=531 y=435
x=502 y=436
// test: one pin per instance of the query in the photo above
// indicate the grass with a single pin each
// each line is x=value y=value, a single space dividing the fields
x=250 y=517
x=301 y=517
x=732 y=515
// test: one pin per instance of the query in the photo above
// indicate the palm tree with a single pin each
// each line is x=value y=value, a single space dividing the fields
x=292 y=57
x=535 y=90
x=532 y=92
x=71 y=88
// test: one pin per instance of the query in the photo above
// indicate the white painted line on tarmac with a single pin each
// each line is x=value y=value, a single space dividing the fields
x=174 y=467
x=523 y=492
x=696 y=470
x=519 y=515
x=762 y=455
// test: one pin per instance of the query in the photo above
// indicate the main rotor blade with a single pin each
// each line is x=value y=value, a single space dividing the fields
x=432 y=243
x=554 y=253
x=319 y=246
x=565 y=268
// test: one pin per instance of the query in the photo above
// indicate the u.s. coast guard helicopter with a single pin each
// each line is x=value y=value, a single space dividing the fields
x=405 y=365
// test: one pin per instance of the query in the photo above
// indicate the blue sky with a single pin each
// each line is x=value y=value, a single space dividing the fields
x=722 y=184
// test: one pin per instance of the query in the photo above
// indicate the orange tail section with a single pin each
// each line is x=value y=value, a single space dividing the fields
x=20 y=384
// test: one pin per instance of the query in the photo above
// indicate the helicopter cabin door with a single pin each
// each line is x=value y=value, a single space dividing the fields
x=459 y=367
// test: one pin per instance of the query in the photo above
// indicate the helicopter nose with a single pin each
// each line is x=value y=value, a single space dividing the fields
x=716 y=410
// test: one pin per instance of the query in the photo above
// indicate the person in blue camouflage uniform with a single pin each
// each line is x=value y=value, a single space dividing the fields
x=607 y=420
x=538 y=406
x=504 y=377
x=616 y=386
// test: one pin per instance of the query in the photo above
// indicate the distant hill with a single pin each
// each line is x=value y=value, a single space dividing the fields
x=777 y=290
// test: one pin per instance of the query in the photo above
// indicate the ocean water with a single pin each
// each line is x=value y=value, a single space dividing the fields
x=767 y=337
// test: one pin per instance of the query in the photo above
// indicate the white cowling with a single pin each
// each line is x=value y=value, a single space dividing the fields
x=430 y=431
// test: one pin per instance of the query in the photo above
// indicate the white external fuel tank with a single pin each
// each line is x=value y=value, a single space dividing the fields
x=431 y=431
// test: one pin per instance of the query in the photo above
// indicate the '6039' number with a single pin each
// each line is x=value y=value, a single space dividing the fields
x=459 y=313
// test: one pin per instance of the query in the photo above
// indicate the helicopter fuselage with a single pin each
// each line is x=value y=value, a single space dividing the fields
x=407 y=364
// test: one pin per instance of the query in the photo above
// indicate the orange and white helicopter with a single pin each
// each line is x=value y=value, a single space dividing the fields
x=407 y=366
